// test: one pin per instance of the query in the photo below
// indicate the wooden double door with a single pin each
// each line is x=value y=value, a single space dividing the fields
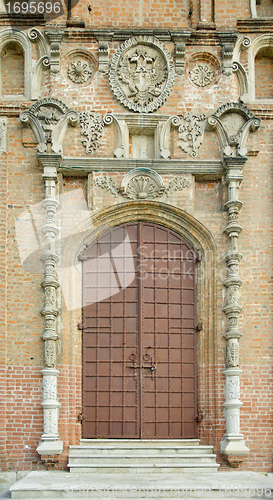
x=139 y=335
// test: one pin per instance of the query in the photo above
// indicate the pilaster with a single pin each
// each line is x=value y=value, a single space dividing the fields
x=233 y=445
x=50 y=443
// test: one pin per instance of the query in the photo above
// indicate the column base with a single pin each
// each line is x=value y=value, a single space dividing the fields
x=50 y=447
x=234 y=448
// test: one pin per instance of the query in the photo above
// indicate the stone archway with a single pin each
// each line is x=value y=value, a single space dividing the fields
x=200 y=239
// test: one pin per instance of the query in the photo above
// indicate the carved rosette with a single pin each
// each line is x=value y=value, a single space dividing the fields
x=79 y=71
x=202 y=74
x=203 y=69
x=141 y=74
x=80 y=67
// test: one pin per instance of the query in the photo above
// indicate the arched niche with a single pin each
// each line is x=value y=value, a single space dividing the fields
x=12 y=69
x=26 y=68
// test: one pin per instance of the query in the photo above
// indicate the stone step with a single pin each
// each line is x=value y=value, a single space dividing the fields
x=143 y=442
x=61 y=484
x=141 y=469
x=140 y=459
x=141 y=456
x=78 y=451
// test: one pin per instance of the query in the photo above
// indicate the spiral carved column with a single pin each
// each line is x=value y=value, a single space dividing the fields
x=233 y=444
x=50 y=443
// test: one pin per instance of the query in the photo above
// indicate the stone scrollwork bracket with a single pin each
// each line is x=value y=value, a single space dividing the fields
x=180 y=40
x=55 y=39
x=119 y=129
x=228 y=40
x=164 y=139
x=103 y=39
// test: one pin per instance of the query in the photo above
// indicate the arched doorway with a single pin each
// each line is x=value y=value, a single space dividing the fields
x=139 y=335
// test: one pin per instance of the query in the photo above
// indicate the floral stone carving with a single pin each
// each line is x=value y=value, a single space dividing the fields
x=79 y=71
x=141 y=74
x=202 y=74
x=191 y=133
x=91 y=127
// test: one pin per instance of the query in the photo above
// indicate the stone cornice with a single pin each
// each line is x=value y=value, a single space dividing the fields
x=80 y=166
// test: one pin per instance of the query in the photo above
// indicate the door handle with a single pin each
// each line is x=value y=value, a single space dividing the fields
x=152 y=368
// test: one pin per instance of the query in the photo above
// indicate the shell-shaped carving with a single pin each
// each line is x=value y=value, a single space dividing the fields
x=142 y=187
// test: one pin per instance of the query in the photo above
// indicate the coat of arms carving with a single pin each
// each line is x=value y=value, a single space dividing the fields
x=141 y=74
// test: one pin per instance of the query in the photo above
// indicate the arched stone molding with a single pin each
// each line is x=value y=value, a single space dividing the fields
x=43 y=62
x=247 y=89
x=242 y=77
x=33 y=70
x=261 y=42
x=201 y=240
x=253 y=10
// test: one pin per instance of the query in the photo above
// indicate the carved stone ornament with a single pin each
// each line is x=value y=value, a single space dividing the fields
x=91 y=127
x=191 y=132
x=49 y=119
x=233 y=121
x=3 y=135
x=106 y=182
x=232 y=353
x=142 y=184
x=141 y=74
x=177 y=184
x=202 y=74
x=79 y=71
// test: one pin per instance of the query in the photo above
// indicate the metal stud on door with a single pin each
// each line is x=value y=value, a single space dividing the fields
x=139 y=345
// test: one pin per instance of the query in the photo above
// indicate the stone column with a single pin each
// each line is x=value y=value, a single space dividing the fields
x=233 y=444
x=50 y=443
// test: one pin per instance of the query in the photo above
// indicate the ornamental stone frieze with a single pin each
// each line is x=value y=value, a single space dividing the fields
x=142 y=184
x=233 y=122
x=141 y=74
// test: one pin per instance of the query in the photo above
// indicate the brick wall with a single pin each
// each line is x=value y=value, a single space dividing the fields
x=21 y=348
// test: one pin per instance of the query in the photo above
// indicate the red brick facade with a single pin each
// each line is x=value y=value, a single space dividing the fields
x=205 y=40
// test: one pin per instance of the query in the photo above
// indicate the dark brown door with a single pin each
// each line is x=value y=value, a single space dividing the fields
x=139 y=338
